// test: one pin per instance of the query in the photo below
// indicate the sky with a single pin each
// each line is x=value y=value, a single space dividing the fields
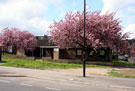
x=35 y=16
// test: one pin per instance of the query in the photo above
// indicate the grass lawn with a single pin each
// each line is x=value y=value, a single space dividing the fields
x=126 y=73
x=42 y=64
x=6 y=53
x=52 y=65
x=121 y=63
x=118 y=74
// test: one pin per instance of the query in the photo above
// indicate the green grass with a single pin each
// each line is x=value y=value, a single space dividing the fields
x=42 y=64
x=6 y=53
x=120 y=63
x=116 y=74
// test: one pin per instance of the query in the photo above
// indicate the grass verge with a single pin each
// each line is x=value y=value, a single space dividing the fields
x=121 y=63
x=116 y=74
x=42 y=64
x=6 y=53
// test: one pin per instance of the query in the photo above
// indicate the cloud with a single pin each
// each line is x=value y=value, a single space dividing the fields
x=116 y=5
x=130 y=9
x=87 y=7
x=131 y=29
x=124 y=10
x=26 y=14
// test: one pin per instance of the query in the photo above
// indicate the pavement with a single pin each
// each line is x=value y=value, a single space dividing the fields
x=71 y=77
x=53 y=74
x=130 y=60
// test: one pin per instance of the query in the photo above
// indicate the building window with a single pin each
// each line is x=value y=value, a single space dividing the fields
x=79 y=52
x=41 y=37
x=91 y=53
x=10 y=49
x=102 y=52
x=37 y=38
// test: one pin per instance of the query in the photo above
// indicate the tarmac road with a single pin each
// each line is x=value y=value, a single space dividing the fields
x=32 y=84
x=21 y=79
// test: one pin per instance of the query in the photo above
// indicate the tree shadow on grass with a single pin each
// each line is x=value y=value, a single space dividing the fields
x=2 y=62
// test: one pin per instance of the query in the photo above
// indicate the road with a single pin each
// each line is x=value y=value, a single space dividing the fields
x=32 y=84
x=40 y=80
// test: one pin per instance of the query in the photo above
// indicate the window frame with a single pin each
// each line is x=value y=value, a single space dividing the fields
x=100 y=53
x=77 y=52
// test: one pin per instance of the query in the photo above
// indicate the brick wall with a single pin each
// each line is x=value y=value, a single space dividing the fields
x=18 y=57
x=71 y=54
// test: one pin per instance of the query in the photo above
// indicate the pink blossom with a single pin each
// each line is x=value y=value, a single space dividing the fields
x=16 y=38
x=100 y=30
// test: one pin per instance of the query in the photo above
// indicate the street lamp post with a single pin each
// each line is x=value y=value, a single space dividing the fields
x=84 y=41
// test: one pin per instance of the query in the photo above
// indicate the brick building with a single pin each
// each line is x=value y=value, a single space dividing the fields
x=48 y=50
x=131 y=48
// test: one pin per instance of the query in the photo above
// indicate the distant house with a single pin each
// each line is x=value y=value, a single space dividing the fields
x=131 y=48
x=44 y=48
x=50 y=50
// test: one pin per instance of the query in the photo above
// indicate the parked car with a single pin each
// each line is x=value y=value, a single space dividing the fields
x=125 y=57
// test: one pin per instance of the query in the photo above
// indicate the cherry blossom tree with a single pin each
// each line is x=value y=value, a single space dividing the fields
x=102 y=30
x=18 y=39
x=25 y=40
x=7 y=37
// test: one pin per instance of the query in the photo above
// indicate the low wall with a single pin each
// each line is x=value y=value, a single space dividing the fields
x=18 y=57
x=75 y=61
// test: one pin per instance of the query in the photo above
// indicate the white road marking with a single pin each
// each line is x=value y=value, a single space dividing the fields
x=4 y=81
x=25 y=84
x=53 y=88
x=121 y=87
